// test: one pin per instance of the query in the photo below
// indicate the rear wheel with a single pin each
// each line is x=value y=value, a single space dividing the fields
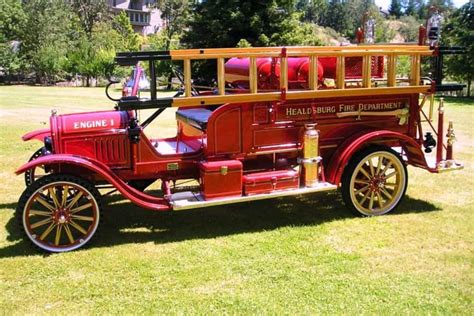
x=31 y=175
x=375 y=181
x=59 y=212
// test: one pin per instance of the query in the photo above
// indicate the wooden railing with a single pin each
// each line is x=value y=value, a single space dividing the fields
x=390 y=52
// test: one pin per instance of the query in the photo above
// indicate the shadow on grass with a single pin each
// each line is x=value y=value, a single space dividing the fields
x=125 y=223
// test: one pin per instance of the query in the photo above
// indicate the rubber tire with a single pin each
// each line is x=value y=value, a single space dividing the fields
x=350 y=168
x=50 y=179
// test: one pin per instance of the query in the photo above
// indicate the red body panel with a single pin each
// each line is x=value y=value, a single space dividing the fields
x=221 y=179
x=266 y=182
x=66 y=163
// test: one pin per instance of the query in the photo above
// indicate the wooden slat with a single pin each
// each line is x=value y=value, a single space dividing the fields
x=340 y=72
x=221 y=75
x=313 y=73
x=296 y=95
x=284 y=73
x=391 y=70
x=253 y=76
x=366 y=71
x=187 y=77
x=415 y=70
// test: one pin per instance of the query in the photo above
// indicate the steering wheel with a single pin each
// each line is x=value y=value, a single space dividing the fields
x=180 y=75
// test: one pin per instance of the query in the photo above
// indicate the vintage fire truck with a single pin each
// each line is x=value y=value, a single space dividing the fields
x=281 y=121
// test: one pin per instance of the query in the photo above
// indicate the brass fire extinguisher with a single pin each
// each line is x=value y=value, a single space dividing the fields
x=311 y=159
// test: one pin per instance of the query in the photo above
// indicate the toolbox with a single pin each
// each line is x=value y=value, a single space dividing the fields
x=221 y=179
x=266 y=182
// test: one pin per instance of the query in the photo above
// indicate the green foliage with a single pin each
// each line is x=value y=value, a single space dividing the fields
x=175 y=14
x=50 y=32
x=395 y=8
x=12 y=20
x=129 y=39
x=90 y=13
x=268 y=23
x=410 y=28
x=459 y=31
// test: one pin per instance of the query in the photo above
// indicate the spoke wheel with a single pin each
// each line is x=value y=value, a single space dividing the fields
x=59 y=213
x=375 y=181
x=33 y=174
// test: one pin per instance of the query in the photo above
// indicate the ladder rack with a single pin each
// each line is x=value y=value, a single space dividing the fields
x=390 y=53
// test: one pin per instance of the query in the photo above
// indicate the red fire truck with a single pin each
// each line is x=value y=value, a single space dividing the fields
x=281 y=121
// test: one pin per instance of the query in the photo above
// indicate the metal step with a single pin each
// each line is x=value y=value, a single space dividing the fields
x=189 y=200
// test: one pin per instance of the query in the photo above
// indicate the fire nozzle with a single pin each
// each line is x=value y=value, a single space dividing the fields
x=451 y=139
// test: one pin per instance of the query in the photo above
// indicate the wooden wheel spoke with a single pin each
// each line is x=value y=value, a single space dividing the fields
x=58 y=235
x=361 y=181
x=362 y=190
x=387 y=166
x=41 y=223
x=385 y=192
x=47 y=231
x=83 y=218
x=371 y=166
x=371 y=201
x=43 y=202
x=82 y=207
x=78 y=227
x=74 y=200
x=391 y=174
x=365 y=173
x=40 y=213
x=65 y=194
x=366 y=196
x=379 y=200
x=54 y=197
x=69 y=234
x=379 y=166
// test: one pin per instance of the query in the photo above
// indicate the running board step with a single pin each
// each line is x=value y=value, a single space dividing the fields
x=189 y=200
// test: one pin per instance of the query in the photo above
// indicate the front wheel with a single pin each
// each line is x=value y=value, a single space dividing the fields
x=59 y=213
x=375 y=181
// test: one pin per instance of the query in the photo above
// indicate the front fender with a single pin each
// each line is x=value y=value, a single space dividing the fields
x=97 y=167
x=350 y=146
x=39 y=134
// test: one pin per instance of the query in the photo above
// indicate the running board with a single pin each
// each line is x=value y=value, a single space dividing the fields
x=189 y=200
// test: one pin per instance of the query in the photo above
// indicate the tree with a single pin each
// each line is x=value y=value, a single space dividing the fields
x=12 y=22
x=129 y=39
x=222 y=23
x=50 y=31
x=459 y=31
x=90 y=13
x=395 y=8
x=410 y=28
x=174 y=14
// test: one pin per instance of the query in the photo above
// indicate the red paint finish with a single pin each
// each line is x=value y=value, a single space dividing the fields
x=221 y=179
x=266 y=182
x=96 y=167
x=39 y=134
x=268 y=70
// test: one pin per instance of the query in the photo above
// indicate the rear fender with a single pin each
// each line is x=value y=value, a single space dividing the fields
x=39 y=134
x=349 y=147
x=97 y=167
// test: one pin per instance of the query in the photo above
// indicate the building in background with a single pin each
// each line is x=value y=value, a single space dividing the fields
x=144 y=17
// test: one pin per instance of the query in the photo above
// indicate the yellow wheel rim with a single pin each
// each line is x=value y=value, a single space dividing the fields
x=377 y=183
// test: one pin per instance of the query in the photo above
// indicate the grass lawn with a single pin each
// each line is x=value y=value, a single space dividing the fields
x=299 y=255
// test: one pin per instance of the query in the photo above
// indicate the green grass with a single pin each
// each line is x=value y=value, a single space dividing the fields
x=299 y=255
